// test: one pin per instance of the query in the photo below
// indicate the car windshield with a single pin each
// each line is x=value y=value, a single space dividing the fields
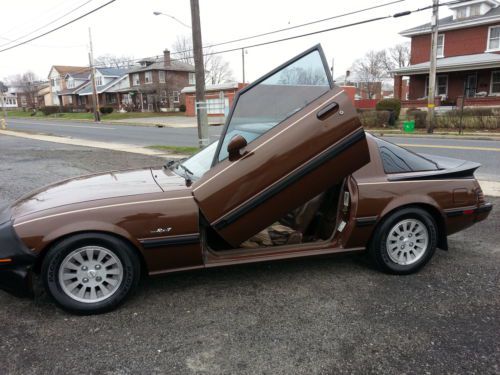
x=198 y=164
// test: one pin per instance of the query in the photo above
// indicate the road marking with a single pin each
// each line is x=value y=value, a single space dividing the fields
x=451 y=147
x=66 y=126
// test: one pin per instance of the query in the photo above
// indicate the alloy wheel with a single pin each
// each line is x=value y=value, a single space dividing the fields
x=90 y=274
x=407 y=241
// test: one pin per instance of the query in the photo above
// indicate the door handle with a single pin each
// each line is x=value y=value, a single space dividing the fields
x=328 y=110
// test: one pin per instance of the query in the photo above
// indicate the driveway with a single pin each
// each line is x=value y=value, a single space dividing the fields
x=333 y=315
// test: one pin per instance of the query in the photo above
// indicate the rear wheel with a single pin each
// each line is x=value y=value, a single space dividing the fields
x=90 y=273
x=405 y=241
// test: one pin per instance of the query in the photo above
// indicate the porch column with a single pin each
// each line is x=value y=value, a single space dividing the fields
x=398 y=87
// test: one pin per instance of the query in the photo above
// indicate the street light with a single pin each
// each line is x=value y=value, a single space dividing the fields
x=175 y=19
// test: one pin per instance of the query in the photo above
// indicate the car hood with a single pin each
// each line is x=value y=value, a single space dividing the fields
x=95 y=187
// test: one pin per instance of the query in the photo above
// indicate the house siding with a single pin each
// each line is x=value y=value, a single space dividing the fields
x=469 y=41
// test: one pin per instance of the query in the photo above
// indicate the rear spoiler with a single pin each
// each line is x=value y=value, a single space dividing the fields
x=447 y=168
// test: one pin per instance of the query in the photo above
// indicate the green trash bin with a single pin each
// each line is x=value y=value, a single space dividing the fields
x=409 y=126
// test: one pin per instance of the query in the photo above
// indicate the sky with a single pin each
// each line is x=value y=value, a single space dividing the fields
x=128 y=27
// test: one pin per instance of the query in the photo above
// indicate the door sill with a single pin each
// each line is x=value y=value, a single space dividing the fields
x=217 y=258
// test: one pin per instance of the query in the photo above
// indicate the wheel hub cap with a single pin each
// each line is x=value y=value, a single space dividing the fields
x=90 y=274
x=407 y=241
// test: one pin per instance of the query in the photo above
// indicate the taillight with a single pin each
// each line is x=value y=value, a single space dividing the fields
x=480 y=197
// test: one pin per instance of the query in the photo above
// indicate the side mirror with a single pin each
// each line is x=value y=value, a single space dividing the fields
x=234 y=147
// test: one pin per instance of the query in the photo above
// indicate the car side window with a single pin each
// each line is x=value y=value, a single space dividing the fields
x=396 y=159
x=267 y=103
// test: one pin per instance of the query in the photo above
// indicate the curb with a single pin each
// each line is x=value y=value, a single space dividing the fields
x=469 y=136
x=103 y=145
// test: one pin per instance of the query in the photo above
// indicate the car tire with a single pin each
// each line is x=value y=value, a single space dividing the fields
x=90 y=273
x=404 y=242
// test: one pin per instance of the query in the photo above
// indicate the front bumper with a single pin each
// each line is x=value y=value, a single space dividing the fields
x=16 y=260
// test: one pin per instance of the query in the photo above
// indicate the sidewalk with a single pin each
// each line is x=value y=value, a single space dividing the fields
x=445 y=134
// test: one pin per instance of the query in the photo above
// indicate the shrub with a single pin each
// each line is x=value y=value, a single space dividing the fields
x=470 y=119
x=106 y=110
x=182 y=108
x=419 y=116
x=390 y=105
x=374 y=119
x=50 y=110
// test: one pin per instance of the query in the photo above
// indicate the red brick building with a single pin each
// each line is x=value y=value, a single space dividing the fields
x=219 y=98
x=156 y=84
x=468 y=57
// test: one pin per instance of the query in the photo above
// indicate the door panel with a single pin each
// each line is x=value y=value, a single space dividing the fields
x=305 y=154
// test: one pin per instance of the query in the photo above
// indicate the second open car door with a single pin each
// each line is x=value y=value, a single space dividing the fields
x=301 y=136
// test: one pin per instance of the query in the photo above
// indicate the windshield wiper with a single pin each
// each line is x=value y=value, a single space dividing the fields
x=186 y=169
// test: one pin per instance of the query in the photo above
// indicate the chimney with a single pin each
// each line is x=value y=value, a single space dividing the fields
x=166 y=57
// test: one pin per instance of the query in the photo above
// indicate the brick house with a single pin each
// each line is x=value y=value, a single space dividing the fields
x=468 y=62
x=156 y=84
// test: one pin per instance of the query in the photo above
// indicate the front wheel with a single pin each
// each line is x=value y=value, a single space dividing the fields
x=90 y=273
x=405 y=241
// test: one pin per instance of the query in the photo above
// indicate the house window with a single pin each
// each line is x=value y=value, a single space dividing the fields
x=494 y=38
x=462 y=12
x=475 y=10
x=192 y=79
x=136 y=80
x=175 y=96
x=70 y=83
x=161 y=76
x=495 y=83
x=441 y=86
x=440 y=45
x=98 y=81
x=148 y=77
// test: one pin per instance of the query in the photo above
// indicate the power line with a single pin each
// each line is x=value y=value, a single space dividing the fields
x=59 y=27
x=298 y=26
x=157 y=57
x=48 y=24
x=396 y=15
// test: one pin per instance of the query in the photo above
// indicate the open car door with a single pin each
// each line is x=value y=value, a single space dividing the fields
x=301 y=136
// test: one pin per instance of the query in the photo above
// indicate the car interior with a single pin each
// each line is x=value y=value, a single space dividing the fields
x=315 y=220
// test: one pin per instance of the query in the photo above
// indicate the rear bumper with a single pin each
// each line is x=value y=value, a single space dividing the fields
x=16 y=262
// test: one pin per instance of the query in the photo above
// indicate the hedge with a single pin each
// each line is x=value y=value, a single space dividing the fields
x=390 y=105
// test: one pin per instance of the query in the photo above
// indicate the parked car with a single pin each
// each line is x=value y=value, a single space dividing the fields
x=293 y=175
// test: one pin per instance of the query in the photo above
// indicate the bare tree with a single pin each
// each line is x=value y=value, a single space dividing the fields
x=27 y=86
x=217 y=70
x=370 y=71
x=114 y=61
x=400 y=55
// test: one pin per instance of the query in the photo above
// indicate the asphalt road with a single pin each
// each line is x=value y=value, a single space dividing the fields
x=332 y=315
x=474 y=150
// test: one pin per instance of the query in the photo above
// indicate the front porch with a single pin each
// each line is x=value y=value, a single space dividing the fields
x=478 y=87
x=476 y=78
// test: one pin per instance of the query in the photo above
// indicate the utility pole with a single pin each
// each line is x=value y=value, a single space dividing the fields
x=95 y=98
x=243 y=63
x=4 y=119
x=3 y=89
x=201 y=105
x=431 y=116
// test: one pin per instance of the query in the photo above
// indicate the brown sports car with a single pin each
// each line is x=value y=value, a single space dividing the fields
x=292 y=175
